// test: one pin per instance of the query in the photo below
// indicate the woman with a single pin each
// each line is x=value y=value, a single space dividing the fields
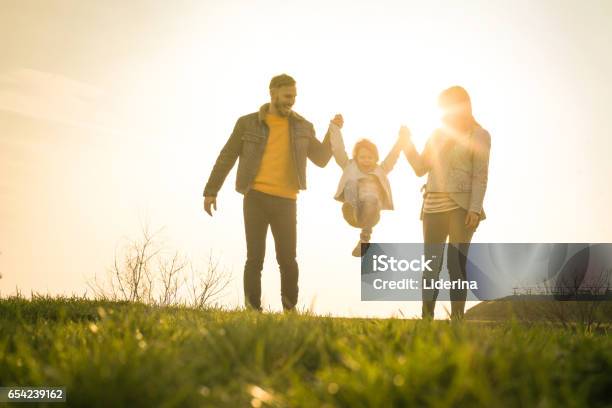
x=456 y=161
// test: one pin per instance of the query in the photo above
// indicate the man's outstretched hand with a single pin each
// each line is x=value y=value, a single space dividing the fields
x=338 y=120
x=209 y=204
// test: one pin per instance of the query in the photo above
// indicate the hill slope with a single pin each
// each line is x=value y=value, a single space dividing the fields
x=539 y=308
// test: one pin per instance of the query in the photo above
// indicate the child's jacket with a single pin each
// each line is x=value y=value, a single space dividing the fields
x=351 y=172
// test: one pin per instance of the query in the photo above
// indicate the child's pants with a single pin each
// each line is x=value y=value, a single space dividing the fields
x=360 y=212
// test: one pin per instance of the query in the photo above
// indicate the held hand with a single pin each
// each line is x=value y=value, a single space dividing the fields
x=404 y=136
x=209 y=203
x=472 y=219
x=338 y=120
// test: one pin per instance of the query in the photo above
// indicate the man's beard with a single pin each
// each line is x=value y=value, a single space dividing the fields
x=283 y=110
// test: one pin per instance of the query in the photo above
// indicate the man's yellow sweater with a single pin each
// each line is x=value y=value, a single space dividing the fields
x=276 y=175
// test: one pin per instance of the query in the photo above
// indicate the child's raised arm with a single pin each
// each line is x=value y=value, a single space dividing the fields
x=393 y=155
x=337 y=143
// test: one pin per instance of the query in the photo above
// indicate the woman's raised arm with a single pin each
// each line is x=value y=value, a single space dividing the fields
x=418 y=162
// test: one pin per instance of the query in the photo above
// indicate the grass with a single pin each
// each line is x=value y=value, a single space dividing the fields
x=110 y=354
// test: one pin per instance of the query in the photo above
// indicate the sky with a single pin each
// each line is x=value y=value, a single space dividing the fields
x=113 y=113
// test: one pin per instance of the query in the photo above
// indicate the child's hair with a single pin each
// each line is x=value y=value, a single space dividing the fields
x=365 y=144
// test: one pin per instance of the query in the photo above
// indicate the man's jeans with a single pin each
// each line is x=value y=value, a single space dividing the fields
x=437 y=227
x=260 y=211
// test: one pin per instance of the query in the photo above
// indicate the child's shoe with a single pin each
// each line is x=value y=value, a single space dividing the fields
x=357 y=250
x=364 y=240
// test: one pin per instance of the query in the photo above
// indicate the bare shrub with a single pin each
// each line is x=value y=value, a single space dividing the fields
x=577 y=304
x=144 y=270
x=205 y=287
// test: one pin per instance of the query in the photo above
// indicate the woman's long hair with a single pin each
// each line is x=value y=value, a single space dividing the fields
x=456 y=102
x=456 y=98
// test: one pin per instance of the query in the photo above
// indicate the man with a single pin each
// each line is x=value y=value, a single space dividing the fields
x=272 y=145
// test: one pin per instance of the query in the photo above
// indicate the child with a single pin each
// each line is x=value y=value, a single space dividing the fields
x=364 y=188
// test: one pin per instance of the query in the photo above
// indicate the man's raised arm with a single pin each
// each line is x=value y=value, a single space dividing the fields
x=319 y=152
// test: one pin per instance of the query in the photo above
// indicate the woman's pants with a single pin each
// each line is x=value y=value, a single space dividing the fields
x=437 y=227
